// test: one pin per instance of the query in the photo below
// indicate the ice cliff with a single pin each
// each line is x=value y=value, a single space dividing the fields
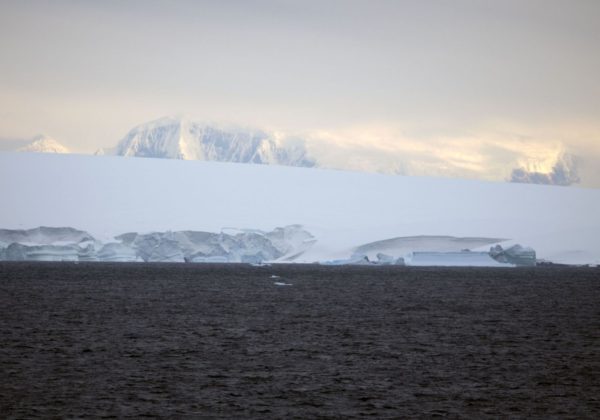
x=45 y=236
x=282 y=244
x=516 y=254
x=67 y=244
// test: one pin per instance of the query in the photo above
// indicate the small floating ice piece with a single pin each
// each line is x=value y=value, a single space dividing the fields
x=260 y=264
x=273 y=276
x=278 y=283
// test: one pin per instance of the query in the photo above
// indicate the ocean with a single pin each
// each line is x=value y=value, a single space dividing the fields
x=225 y=341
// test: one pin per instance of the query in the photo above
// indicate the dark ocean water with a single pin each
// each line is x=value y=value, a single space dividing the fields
x=183 y=340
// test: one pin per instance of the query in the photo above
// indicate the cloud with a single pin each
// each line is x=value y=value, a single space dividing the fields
x=498 y=152
x=564 y=172
x=393 y=150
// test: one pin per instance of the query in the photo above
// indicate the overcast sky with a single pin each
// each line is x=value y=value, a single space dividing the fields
x=452 y=88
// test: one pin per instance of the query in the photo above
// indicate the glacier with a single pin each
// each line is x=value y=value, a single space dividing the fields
x=159 y=200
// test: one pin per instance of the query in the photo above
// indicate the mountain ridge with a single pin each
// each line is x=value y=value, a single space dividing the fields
x=185 y=139
x=44 y=144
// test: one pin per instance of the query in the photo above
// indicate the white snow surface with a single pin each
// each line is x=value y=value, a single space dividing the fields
x=44 y=144
x=107 y=196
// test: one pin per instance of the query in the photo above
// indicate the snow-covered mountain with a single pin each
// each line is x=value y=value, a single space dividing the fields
x=181 y=138
x=344 y=211
x=44 y=144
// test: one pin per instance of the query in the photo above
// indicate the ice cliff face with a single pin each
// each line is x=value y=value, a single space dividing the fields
x=242 y=246
x=47 y=244
x=516 y=254
x=283 y=244
x=67 y=244
x=180 y=138
x=45 y=236
x=44 y=144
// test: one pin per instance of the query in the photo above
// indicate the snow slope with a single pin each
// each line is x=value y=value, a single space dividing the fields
x=343 y=210
x=181 y=138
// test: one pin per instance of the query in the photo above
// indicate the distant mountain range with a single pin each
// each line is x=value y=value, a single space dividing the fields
x=185 y=139
x=180 y=138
